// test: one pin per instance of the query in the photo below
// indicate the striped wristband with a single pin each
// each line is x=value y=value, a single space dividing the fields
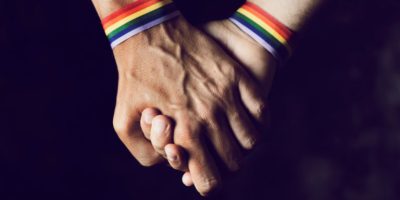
x=265 y=29
x=137 y=17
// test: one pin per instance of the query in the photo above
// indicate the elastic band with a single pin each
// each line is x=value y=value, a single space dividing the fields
x=265 y=29
x=137 y=17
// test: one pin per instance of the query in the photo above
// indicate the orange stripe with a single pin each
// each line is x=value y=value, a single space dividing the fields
x=263 y=12
x=124 y=9
x=268 y=19
x=132 y=8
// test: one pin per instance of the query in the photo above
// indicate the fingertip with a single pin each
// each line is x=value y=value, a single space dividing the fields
x=145 y=120
x=243 y=127
x=175 y=156
x=148 y=114
x=161 y=124
x=171 y=152
x=160 y=133
x=187 y=179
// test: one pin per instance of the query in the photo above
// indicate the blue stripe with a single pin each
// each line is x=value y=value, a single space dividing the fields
x=279 y=47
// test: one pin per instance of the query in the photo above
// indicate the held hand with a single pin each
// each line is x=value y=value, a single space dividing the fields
x=178 y=70
x=255 y=59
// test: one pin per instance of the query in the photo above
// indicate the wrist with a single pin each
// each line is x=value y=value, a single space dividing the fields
x=261 y=26
x=291 y=13
x=137 y=17
x=252 y=56
x=106 y=7
x=159 y=39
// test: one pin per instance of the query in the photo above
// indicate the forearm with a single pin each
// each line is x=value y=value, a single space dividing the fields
x=292 y=13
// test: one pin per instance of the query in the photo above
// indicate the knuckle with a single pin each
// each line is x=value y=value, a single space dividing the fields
x=209 y=114
x=229 y=70
x=121 y=128
x=159 y=148
x=206 y=110
x=146 y=162
x=226 y=90
x=211 y=126
x=187 y=136
x=221 y=88
x=177 y=165
x=235 y=115
x=208 y=185
x=147 y=159
x=210 y=123
x=260 y=111
x=249 y=143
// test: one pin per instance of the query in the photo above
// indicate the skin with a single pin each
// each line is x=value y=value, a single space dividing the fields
x=256 y=60
x=203 y=95
x=258 y=63
x=210 y=96
x=204 y=90
x=292 y=13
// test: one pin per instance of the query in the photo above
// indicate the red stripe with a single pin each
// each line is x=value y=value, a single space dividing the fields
x=127 y=10
x=267 y=18
x=263 y=18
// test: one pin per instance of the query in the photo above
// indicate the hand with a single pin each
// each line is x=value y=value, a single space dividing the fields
x=255 y=59
x=203 y=89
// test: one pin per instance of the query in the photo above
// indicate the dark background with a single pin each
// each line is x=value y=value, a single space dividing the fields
x=335 y=106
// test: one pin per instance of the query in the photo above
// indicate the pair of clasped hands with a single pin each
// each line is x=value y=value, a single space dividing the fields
x=195 y=96
x=183 y=87
x=185 y=91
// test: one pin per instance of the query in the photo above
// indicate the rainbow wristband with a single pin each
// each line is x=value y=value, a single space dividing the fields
x=265 y=29
x=137 y=17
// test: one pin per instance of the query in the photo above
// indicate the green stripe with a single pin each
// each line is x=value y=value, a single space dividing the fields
x=282 y=50
x=275 y=41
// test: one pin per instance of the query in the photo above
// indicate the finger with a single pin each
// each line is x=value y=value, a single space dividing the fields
x=242 y=126
x=161 y=133
x=254 y=99
x=223 y=141
x=187 y=179
x=202 y=167
x=145 y=121
x=127 y=126
x=176 y=157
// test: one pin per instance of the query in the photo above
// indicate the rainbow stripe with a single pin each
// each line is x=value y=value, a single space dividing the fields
x=137 y=17
x=265 y=29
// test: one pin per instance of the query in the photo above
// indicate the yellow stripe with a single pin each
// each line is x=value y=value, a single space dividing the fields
x=135 y=15
x=263 y=25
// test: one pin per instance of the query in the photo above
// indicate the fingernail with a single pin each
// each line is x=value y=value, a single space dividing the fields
x=159 y=126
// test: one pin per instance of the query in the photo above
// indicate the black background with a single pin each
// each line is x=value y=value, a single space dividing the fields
x=335 y=106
